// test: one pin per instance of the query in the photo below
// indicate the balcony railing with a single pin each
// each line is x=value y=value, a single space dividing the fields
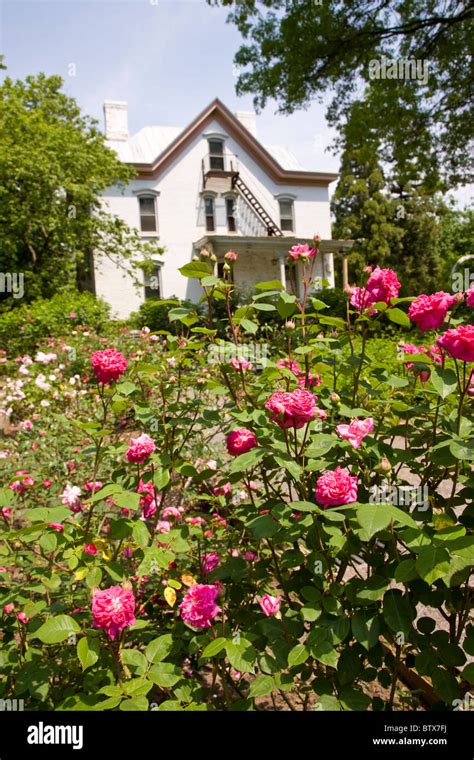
x=215 y=165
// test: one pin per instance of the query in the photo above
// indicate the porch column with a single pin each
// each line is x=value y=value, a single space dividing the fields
x=345 y=272
x=282 y=262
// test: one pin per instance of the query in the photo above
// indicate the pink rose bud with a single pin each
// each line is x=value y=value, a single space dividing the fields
x=270 y=605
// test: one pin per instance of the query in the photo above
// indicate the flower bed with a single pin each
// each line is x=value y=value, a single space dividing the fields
x=188 y=523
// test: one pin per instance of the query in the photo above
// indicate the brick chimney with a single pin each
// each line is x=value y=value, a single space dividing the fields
x=249 y=120
x=116 y=119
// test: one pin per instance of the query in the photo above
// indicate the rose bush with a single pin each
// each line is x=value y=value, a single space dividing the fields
x=184 y=527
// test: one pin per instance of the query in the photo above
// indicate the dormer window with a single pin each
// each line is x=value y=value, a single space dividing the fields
x=216 y=155
x=148 y=221
x=286 y=214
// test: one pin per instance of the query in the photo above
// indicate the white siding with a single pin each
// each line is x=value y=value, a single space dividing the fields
x=181 y=219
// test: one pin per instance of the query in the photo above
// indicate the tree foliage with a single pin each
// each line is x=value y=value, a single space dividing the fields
x=53 y=166
x=297 y=51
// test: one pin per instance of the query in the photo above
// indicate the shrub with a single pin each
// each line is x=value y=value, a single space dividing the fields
x=193 y=536
x=23 y=328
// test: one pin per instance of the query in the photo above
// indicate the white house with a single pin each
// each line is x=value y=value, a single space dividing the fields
x=212 y=185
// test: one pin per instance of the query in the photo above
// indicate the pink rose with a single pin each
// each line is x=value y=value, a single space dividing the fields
x=223 y=490
x=356 y=431
x=270 y=604
x=108 y=365
x=56 y=526
x=90 y=549
x=240 y=441
x=250 y=556
x=294 y=409
x=209 y=562
x=240 y=363
x=140 y=448
x=113 y=609
x=309 y=381
x=470 y=297
x=198 y=607
x=150 y=499
x=301 y=252
x=91 y=486
x=230 y=256
x=8 y=608
x=288 y=363
x=70 y=497
x=381 y=286
x=23 y=618
x=429 y=312
x=336 y=487
x=459 y=342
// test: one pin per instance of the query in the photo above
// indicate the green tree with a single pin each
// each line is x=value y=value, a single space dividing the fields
x=297 y=51
x=362 y=205
x=53 y=166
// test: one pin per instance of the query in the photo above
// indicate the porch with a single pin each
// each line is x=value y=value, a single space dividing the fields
x=266 y=258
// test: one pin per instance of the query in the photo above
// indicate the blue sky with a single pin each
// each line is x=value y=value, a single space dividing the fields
x=167 y=58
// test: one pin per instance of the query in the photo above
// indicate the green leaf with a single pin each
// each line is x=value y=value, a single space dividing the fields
x=398 y=317
x=249 y=459
x=94 y=577
x=242 y=655
x=444 y=381
x=216 y=646
x=127 y=500
x=137 y=687
x=291 y=466
x=462 y=450
x=57 y=629
x=298 y=655
x=88 y=650
x=159 y=648
x=249 y=326
x=165 y=674
x=261 y=686
x=397 y=612
x=263 y=527
x=468 y=673
x=286 y=305
x=134 y=659
x=324 y=652
x=366 y=628
x=432 y=563
x=269 y=285
x=141 y=534
x=373 y=518
x=196 y=270
x=445 y=684
x=134 y=704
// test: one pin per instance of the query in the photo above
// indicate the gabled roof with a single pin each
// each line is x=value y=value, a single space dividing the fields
x=169 y=142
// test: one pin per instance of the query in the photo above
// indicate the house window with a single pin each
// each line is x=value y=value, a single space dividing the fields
x=153 y=284
x=209 y=211
x=230 y=213
x=216 y=155
x=147 y=205
x=286 y=215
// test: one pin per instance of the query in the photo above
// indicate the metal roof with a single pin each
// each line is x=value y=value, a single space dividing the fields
x=150 y=142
